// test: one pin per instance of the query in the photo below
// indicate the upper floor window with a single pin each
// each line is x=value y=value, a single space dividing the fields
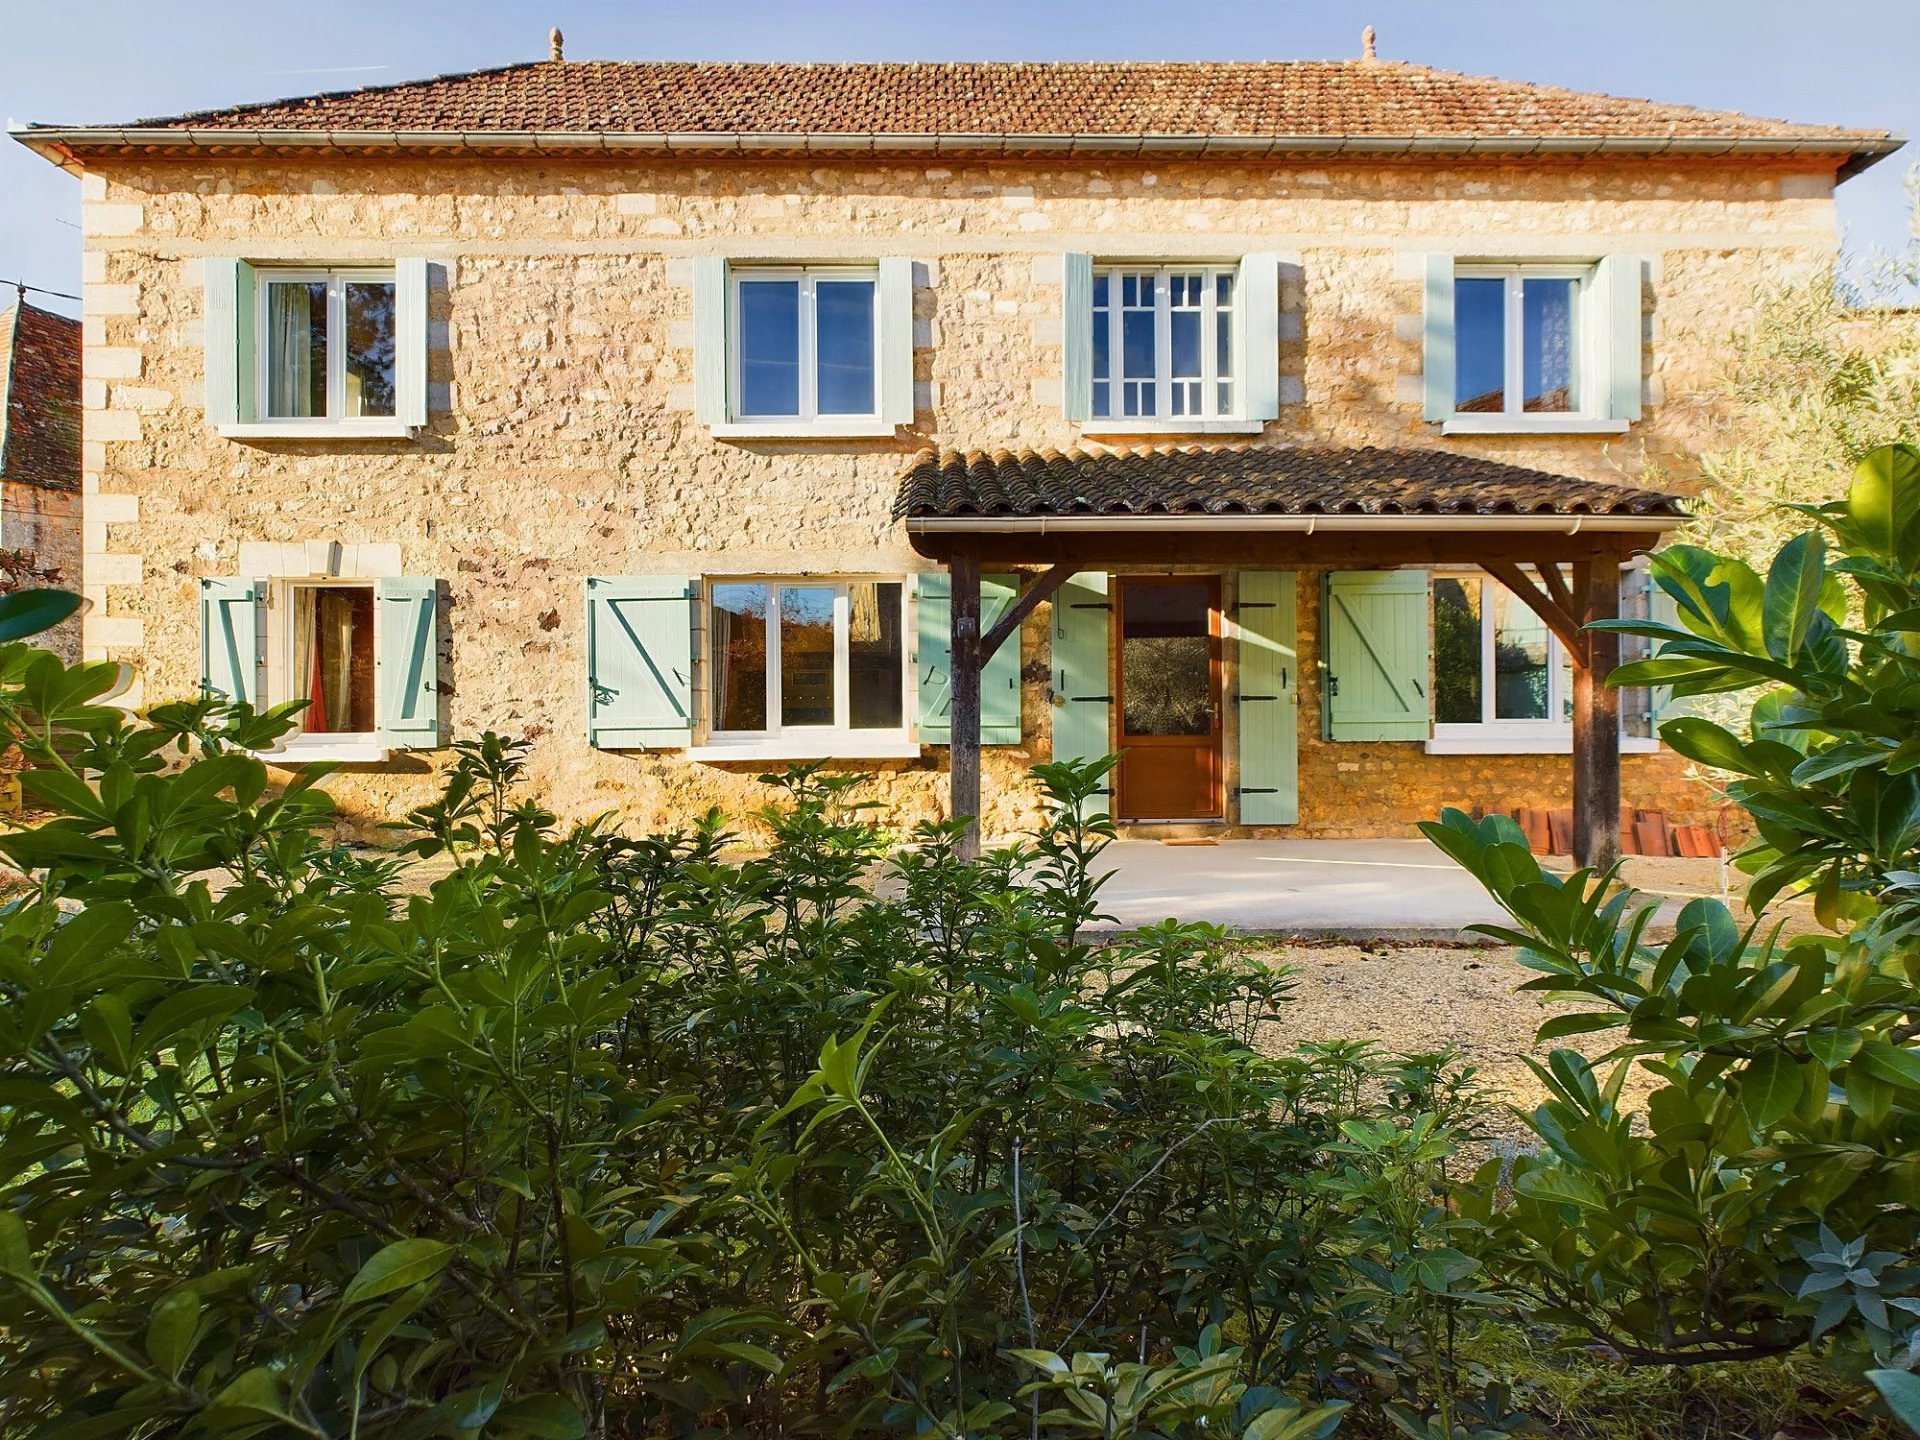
x=327 y=344
x=1164 y=343
x=1518 y=333
x=309 y=352
x=803 y=350
x=1512 y=347
x=1173 y=348
x=806 y=344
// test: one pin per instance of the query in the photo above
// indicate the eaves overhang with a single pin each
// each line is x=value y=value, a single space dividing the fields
x=70 y=146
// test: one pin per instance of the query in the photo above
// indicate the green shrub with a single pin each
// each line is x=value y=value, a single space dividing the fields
x=608 y=1134
x=1766 y=1198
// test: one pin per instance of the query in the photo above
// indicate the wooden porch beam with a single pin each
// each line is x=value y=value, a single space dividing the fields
x=1556 y=610
x=1596 y=715
x=1037 y=588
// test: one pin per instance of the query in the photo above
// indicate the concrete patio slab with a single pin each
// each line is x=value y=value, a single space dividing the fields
x=1386 y=889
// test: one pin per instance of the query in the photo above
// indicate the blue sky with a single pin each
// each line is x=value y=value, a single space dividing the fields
x=95 y=61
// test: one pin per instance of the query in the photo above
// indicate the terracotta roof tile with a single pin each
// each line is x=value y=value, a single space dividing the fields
x=39 y=398
x=1298 y=99
x=1250 y=480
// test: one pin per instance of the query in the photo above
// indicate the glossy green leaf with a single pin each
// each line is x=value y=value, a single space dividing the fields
x=543 y=1417
x=33 y=612
x=397 y=1266
x=1791 y=599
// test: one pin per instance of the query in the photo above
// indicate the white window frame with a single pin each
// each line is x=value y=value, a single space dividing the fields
x=1589 y=359
x=1212 y=420
x=808 y=418
x=303 y=747
x=807 y=742
x=1493 y=736
x=336 y=278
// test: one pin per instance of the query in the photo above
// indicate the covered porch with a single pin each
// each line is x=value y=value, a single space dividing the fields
x=1554 y=542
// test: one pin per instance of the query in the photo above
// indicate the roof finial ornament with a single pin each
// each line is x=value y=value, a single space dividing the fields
x=556 y=45
x=1366 y=45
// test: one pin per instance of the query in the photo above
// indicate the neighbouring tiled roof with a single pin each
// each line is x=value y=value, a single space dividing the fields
x=39 y=398
x=1298 y=99
x=1250 y=480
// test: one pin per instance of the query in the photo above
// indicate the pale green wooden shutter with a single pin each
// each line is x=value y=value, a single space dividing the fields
x=933 y=662
x=896 y=341
x=1376 y=660
x=1000 y=677
x=410 y=340
x=710 y=340
x=1076 y=336
x=1258 y=295
x=1082 y=675
x=231 y=614
x=1437 y=352
x=933 y=656
x=1615 y=311
x=1269 y=736
x=227 y=339
x=640 y=662
x=407 y=662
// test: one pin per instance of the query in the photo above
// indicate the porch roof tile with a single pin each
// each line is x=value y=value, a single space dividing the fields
x=1251 y=480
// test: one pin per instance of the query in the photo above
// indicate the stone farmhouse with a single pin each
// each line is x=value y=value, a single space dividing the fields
x=1276 y=424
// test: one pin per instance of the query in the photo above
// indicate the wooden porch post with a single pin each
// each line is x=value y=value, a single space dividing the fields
x=964 y=719
x=1596 y=715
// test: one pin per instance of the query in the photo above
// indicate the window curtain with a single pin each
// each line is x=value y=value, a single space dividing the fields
x=721 y=651
x=332 y=686
x=290 y=355
x=306 y=662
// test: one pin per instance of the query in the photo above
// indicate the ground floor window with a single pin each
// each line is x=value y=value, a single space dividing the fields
x=333 y=658
x=1501 y=676
x=806 y=658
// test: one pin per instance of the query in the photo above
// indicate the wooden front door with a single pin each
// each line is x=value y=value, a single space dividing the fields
x=1167 y=694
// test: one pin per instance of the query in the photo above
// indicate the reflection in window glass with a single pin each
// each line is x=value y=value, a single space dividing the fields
x=1102 y=361
x=843 y=338
x=1163 y=344
x=1456 y=651
x=806 y=655
x=770 y=347
x=876 y=656
x=1548 y=344
x=1166 y=658
x=1186 y=322
x=1223 y=343
x=370 y=348
x=1479 y=345
x=297 y=349
x=1521 y=676
x=334 y=658
x=1138 y=347
x=739 y=651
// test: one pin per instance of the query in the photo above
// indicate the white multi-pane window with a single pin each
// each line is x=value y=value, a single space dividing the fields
x=1503 y=680
x=805 y=344
x=326 y=345
x=1519 y=341
x=1164 y=346
x=816 y=661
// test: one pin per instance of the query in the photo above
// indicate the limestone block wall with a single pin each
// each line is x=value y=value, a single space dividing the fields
x=562 y=441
